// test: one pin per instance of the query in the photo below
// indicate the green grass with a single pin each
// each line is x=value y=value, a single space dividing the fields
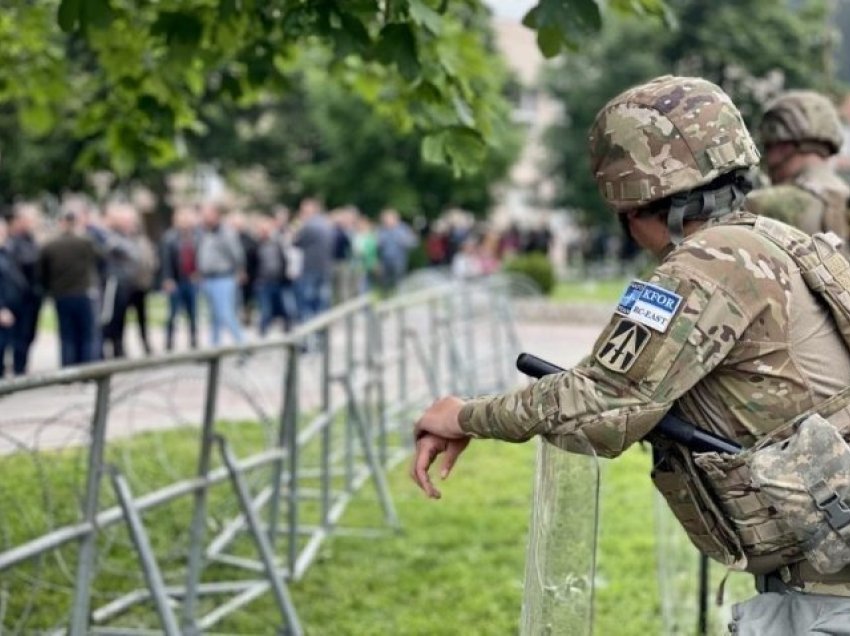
x=590 y=291
x=456 y=568
x=157 y=307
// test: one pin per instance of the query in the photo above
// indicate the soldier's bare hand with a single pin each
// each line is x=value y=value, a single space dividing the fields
x=428 y=448
x=441 y=419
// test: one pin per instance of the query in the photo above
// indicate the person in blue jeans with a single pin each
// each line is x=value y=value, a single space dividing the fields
x=315 y=238
x=67 y=267
x=272 y=287
x=221 y=263
x=178 y=256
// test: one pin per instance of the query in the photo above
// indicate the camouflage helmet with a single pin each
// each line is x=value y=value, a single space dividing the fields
x=670 y=135
x=801 y=116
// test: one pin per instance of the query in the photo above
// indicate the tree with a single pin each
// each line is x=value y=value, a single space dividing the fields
x=322 y=139
x=780 y=45
x=148 y=67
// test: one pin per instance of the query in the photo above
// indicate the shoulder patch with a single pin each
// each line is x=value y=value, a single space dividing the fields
x=627 y=301
x=623 y=346
x=649 y=305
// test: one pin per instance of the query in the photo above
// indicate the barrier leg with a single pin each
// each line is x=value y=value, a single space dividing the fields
x=199 y=516
x=88 y=544
x=139 y=536
x=261 y=540
x=375 y=467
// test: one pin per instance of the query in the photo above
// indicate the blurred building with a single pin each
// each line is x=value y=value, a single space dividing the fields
x=524 y=198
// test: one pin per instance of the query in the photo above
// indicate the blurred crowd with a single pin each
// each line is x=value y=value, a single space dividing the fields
x=473 y=249
x=98 y=265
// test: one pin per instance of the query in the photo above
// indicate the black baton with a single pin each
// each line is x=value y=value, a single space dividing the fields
x=672 y=427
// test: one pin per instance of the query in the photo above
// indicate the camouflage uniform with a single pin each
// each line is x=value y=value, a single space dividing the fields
x=743 y=346
x=816 y=199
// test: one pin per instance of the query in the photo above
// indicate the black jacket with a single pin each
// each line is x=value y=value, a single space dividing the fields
x=13 y=285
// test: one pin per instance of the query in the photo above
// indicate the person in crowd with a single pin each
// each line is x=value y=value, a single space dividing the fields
x=122 y=270
x=466 y=263
x=271 y=276
x=91 y=222
x=395 y=242
x=345 y=284
x=437 y=244
x=365 y=249
x=488 y=253
x=511 y=241
x=239 y=222
x=25 y=252
x=67 y=270
x=143 y=281
x=460 y=228
x=179 y=258
x=221 y=263
x=539 y=240
x=13 y=287
x=315 y=239
x=293 y=266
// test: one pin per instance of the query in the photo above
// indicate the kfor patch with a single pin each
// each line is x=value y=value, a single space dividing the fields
x=649 y=305
x=630 y=297
x=623 y=346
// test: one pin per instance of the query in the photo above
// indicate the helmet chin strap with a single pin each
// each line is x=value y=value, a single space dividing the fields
x=676 y=217
x=703 y=205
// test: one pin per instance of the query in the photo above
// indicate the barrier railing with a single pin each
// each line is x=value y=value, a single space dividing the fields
x=164 y=495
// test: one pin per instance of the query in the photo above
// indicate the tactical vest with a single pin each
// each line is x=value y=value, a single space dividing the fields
x=834 y=201
x=740 y=509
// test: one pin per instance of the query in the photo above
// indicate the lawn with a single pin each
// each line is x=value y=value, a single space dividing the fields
x=456 y=568
x=603 y=291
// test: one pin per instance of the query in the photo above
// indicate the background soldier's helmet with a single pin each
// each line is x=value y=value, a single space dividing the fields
x=801 y=116
x=667 y=136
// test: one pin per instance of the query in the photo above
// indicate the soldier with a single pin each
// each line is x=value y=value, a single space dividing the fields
x=800 y=131
x=725 y=333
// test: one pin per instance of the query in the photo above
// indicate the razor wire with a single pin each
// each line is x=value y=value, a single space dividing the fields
x=165 y=495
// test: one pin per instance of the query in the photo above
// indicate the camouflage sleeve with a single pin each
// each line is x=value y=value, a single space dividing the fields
x=635 y=373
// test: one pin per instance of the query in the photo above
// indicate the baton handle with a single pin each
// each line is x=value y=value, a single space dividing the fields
x=671 y=426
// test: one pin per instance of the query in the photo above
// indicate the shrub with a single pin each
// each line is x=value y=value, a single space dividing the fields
x=535 y=266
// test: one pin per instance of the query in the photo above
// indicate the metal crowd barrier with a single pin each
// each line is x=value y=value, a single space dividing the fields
x=164 y=495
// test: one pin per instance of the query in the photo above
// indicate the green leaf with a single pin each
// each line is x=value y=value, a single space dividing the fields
x=68 y=15
x=228 y=8
x=179 y=29
x=397 y=45
x=560 y=23
x=352 y=37
x=588 y=14
x=95 y=13
x=37 y=119
x=463 y=111
x=425 y=16
x=530 y=18
x=462 y=147
x=550 y=40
